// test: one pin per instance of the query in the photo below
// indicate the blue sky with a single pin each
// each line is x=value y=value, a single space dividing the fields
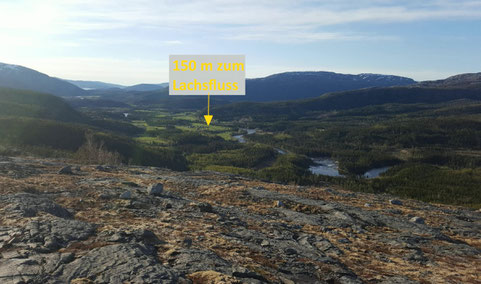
x=128 y=42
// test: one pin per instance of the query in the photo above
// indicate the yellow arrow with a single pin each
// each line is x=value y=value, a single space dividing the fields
x=208 y=117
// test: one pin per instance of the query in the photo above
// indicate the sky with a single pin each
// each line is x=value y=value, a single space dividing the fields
x=128 y=42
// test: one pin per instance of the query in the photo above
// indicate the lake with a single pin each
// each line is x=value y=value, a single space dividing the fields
x=325 y=166
x=374 y=173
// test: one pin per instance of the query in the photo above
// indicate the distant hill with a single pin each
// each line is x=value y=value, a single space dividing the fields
x=146 y=87
x=278 y=87
x=345 y=100
x=18 y=77
x=300 y=85
x=467 y=81
x=25 y=103
x=95 y=102
x=94 y=85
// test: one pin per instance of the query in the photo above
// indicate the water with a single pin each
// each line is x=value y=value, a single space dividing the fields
x=241 y=138
x=325 y=166
x=374 y=173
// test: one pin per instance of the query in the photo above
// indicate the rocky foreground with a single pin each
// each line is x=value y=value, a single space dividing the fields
x=92 y=224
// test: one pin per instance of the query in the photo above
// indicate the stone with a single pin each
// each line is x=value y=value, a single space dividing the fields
x=205 y=207
x=136 y=236
x=104 y=196
x=102 y=169
x=192 y=260
x=28 y=205
x=53 y=232
x=417 y=220
x=394 y=211
x=278 y=203
x=156 y=189
x=265 y=243
x=119 y=263
x=290 y=251
x=51 y=243
x=67 y=257
x=242 y=272
x=395 y=202
x=344 y=241
x=66 y=171
x=126 y=195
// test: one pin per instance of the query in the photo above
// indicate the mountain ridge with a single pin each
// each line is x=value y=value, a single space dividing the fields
x=276 y=87
x=19 y=77
x=465 y=80
x=89 y=85
x=306 y=84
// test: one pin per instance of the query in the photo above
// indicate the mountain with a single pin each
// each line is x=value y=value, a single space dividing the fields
x=346 y=100
x=19 y=77
x=467 y=81
x=277 y=87
x=146 y=87
x=300 y=85
x=94 y=85
x=25 y=103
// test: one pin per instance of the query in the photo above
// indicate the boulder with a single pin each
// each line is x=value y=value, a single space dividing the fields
x=126 y=195
x=395 y=202
x=156 y=189
x=66 y=171
x=205 y=207
x=278 y=203
x=417 y=220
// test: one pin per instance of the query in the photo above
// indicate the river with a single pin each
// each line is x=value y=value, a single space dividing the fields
x=322 y=166
x=240 y=138
x=328 y=167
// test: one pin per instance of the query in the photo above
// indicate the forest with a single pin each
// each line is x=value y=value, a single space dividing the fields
x=433 y=150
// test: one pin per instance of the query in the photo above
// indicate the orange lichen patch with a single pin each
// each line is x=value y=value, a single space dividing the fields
x=456 y=269
x=306 y=209
x=212 y=277
x=242 y=255
x=470 y=241
x=81 y=281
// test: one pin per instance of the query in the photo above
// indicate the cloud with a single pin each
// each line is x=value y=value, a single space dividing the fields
x=276 y=20
x=265 y=18
x=81 y=33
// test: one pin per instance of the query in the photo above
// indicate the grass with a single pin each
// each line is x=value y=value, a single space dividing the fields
x=152 y=140
x=435 y=164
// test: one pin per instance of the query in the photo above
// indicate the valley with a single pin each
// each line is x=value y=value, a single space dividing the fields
x=408 y=141
x=389 y=141
x=240 y=142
